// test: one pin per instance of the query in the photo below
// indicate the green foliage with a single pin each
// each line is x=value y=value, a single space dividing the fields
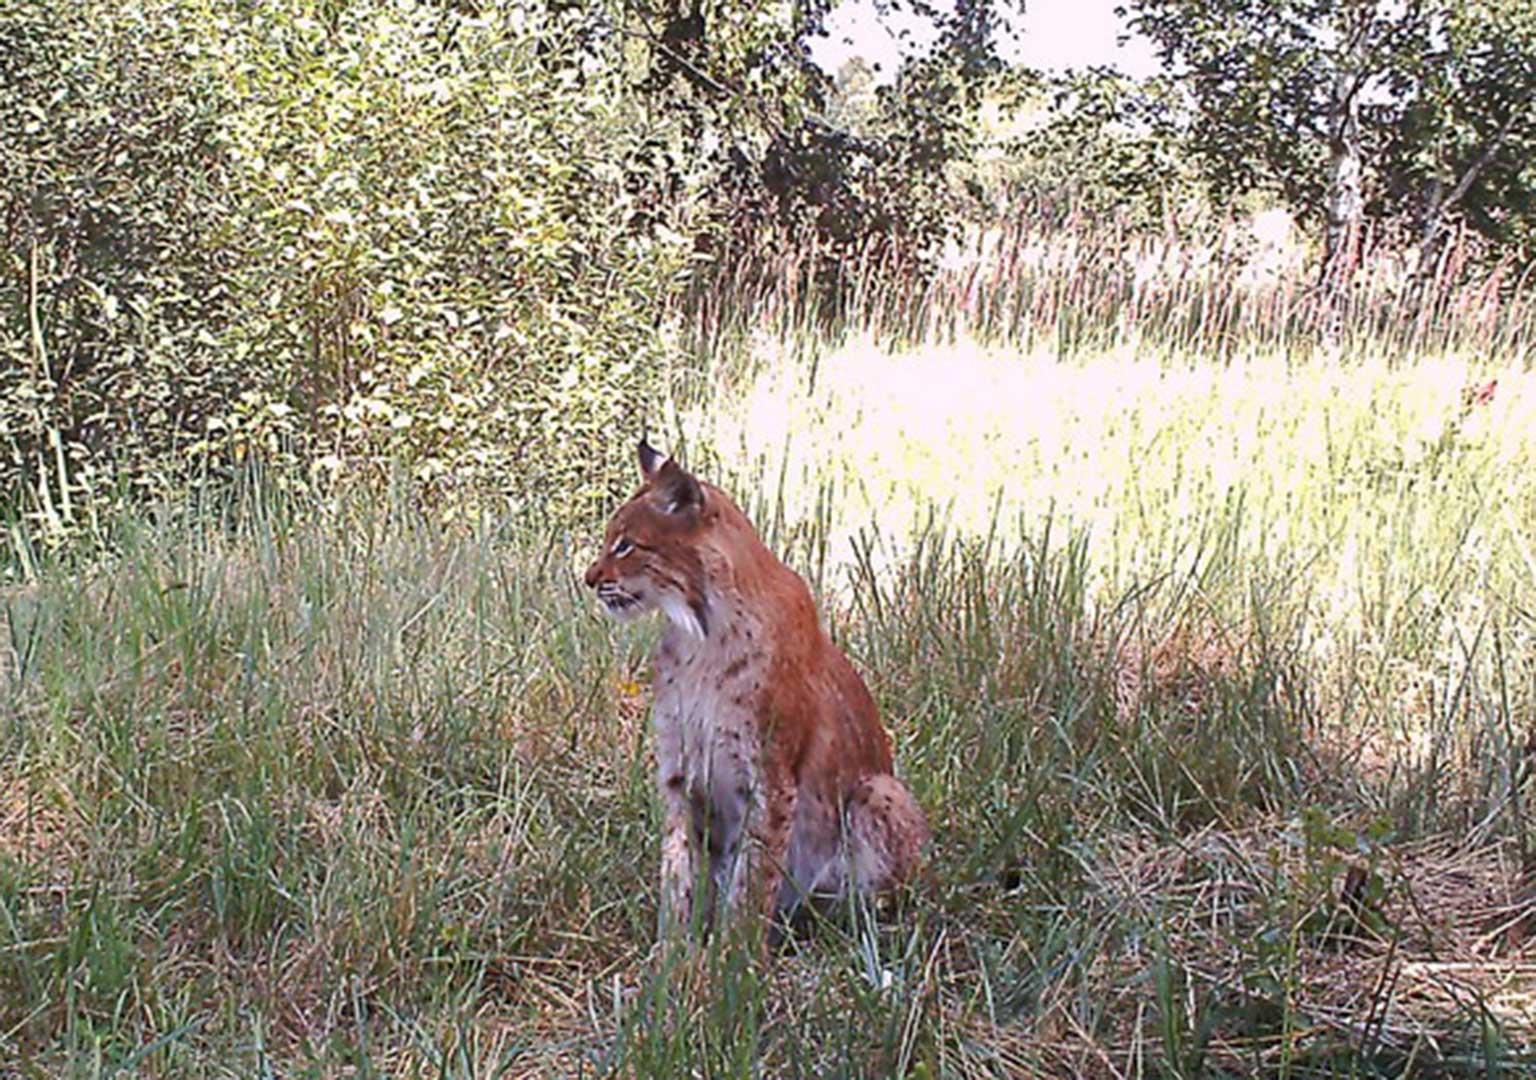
x=359 y=238
x=351 y=239
x=1096 y=143
x=1442 y=91
x=434 y=257
x=787 y=162
x=1466 y=135
x=1261 y=75
x=113 y=289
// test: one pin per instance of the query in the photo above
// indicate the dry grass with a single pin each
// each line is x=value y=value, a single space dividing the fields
x=300 y=837
x=1215 y=289
x=1285 y=955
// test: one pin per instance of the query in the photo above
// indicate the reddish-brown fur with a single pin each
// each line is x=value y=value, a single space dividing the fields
x=770 y=753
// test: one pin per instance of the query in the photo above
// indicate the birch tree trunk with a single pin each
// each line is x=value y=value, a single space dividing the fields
x=1345 y=207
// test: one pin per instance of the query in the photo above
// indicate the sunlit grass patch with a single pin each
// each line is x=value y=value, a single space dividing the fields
x=1135 y=449
x=1390 y=499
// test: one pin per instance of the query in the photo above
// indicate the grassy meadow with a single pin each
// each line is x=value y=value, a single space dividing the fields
x=1207 y=638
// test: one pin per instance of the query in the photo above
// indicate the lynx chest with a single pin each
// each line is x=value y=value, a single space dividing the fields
x=706 y=713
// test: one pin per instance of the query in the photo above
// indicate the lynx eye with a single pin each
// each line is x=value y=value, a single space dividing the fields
x=622 y=547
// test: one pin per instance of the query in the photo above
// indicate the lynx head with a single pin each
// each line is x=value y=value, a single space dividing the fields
x=650 y=558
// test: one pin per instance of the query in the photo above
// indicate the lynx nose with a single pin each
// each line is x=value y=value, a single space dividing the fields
x=592 y=576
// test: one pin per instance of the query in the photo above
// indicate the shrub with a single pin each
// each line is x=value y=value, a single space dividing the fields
x=112 y=295
x=338 y=239
x=435 y=258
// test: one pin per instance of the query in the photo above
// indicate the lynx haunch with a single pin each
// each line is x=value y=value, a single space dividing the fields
x=771 y=759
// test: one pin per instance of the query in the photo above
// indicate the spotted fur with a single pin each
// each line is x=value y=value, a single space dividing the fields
x=771 y=760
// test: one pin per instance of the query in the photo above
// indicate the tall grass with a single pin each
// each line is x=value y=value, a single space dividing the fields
x=1205 y=291
x=1214 y=670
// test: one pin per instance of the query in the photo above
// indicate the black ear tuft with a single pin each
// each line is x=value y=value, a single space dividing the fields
x=676 y=488
x=651 y=459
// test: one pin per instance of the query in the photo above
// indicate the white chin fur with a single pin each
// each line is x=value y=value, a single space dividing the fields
x=682 y=616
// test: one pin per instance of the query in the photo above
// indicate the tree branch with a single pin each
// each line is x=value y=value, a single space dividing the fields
x=1482 y=161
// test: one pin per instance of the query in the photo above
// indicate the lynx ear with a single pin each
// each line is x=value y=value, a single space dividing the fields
x=676 y=489
x=651 y=460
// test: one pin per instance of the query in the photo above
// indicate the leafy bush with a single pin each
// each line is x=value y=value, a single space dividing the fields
x=112 y=296
x=342 y=239
x=434 y=258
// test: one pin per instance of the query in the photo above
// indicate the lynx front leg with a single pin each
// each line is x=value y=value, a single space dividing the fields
x=677 y=860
